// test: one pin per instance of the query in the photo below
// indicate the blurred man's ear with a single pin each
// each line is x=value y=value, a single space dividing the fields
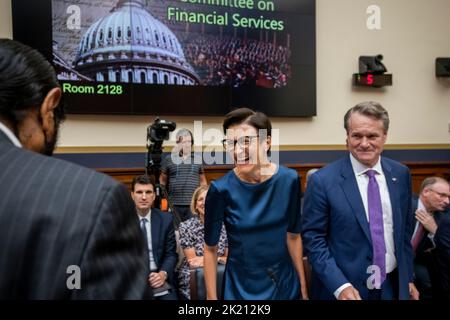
x=51 y=101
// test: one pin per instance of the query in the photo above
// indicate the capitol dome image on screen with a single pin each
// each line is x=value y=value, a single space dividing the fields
x=138 y=41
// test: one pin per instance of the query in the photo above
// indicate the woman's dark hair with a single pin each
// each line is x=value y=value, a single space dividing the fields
x=26 y=78
x=245 y=115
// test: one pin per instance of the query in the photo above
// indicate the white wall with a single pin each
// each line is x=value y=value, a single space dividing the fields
x=5 y=19
x=413 y=34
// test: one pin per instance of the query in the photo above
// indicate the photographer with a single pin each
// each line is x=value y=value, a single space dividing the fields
x=182 y=173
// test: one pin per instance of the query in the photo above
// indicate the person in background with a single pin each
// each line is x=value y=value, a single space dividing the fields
x=67 y=232
x=181 y=173
x=309 y=174
x=192 y=241
x=159 y=234
x=428 y=208
x=259 y=202
x=357 y=220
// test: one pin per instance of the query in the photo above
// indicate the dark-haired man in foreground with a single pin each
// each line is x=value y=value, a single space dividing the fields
x=66 y=232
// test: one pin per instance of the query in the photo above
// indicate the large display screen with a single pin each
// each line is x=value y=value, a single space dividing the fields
x=177 y=57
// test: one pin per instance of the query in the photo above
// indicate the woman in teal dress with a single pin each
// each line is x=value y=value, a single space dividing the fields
x=259 y=203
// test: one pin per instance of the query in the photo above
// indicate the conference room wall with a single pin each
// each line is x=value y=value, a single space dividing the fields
x=413 y=33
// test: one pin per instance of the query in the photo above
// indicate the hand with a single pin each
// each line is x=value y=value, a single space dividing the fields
x=304 y=293
x=211 y=297
x=156 y=279
x=427 y=220
x=196 y=262
x=413 y=292
x=222 y=260
x=349 y=293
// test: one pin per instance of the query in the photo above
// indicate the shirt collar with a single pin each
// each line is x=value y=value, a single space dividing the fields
x=10 y=135
x=420 y=205
x=147 y=216
x=360 y=169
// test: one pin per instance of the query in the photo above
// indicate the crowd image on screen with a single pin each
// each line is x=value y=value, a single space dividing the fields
x=235 y=61
x=231 y=57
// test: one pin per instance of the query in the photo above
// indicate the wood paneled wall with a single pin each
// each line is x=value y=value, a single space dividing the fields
x=419 y=171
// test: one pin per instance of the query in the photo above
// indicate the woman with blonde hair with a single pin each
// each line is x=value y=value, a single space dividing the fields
x=192 y=241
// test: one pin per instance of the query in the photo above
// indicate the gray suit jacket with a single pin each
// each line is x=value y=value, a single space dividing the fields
x=53 y=215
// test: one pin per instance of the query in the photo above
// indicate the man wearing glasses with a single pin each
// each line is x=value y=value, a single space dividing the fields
x=181 y=174
x=428 y=208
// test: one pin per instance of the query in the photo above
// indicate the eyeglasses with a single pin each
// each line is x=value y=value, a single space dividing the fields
x=243 y=142
x=184 y=142
x=440 y=194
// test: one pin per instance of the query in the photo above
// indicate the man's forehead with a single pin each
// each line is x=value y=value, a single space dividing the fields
x=363 y=126
x=143 y=187
x=244 y=130
x=441 y=187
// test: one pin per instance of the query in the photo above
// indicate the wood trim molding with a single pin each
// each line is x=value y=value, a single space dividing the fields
x=419 y=171
x=329 y=147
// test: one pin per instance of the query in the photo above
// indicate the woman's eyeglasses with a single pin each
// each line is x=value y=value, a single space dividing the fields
x=243 y=142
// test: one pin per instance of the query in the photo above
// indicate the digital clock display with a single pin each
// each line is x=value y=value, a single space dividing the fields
x=372 y=80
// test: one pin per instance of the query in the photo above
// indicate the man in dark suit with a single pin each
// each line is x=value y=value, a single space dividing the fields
x=442 y=240
x=357 y=220
x=159 y=232
x=66 y=232
x=428 y=209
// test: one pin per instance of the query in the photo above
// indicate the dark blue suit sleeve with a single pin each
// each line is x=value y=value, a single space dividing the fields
x=115 y=262
x=410 y=223
x=170 y=257
x=442 y=254
x=294 y=209
x=214 y=214
x=315 y=222
x=442 y=237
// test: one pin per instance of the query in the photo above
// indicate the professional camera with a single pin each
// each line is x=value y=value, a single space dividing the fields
x=159 y=130
x=156 y=134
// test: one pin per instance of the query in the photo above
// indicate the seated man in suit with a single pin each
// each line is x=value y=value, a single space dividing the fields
x=56 y=216
x=428 y=209
x=159 y=233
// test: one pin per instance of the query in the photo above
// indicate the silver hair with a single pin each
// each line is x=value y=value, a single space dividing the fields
x=370 y=109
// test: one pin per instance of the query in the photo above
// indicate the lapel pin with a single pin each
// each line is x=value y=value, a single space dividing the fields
x=394 y=179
